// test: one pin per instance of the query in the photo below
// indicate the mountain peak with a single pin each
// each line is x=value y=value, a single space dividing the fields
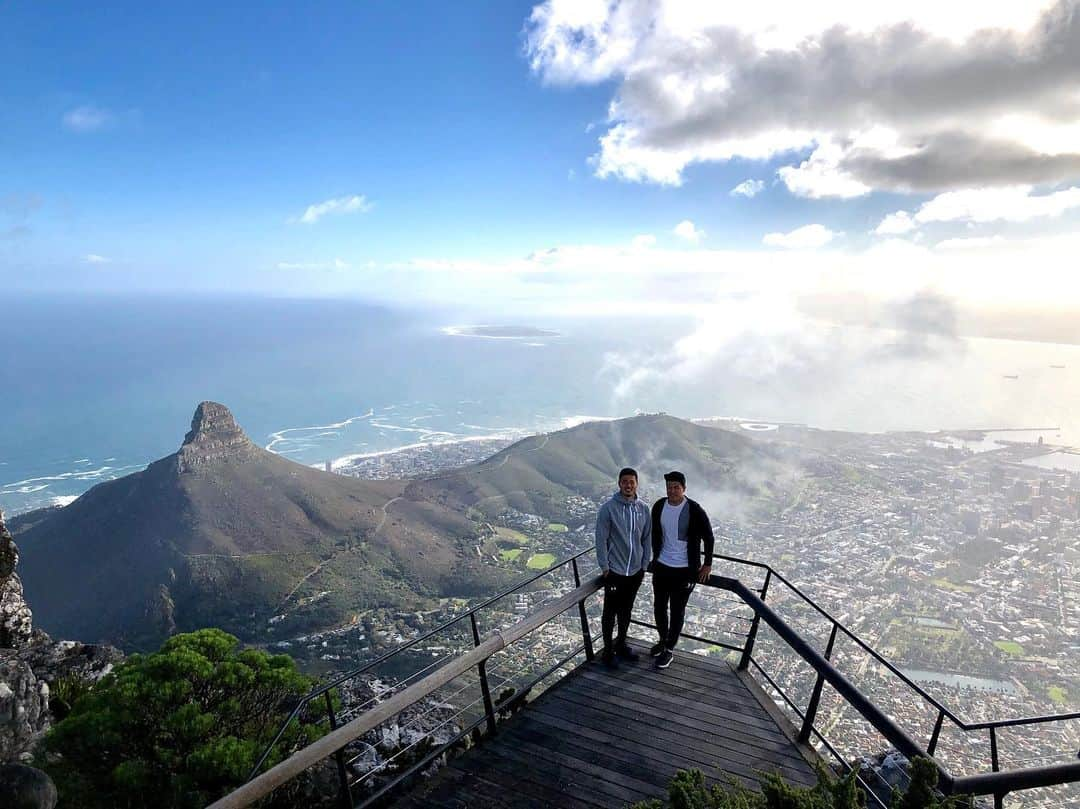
x=214 y=435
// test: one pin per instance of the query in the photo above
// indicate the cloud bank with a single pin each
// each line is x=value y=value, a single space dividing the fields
x=921 y=97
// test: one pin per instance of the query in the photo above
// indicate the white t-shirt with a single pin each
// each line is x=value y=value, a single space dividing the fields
x=672 y=552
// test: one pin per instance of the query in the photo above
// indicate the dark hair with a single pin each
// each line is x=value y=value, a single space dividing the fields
x=676 y=477
x=626 y=470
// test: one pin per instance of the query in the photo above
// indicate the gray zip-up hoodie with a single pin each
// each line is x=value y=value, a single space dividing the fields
x=623 y=535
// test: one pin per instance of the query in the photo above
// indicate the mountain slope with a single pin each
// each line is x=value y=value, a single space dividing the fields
x=221 y=533
x=537 y=475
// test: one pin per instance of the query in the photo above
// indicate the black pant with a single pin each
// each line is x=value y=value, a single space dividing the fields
x=670 y=585
x=619 y=595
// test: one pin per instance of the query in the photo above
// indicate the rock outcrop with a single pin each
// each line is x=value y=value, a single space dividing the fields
x=16 y=620
x=214 y=436
x=30 y=660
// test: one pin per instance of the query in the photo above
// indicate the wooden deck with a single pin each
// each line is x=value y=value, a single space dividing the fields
x=608 y=738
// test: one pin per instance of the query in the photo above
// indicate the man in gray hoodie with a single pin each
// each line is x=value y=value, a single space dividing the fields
x=623 y=551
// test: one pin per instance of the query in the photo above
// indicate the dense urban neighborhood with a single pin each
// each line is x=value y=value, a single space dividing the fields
x=953 y=556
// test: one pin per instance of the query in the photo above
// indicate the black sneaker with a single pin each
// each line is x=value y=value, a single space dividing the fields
x=657 y=650
x=607 y=657
x=624 y=652
x=665 y=658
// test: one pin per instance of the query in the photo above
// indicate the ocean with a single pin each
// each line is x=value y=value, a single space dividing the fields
x=92 y=388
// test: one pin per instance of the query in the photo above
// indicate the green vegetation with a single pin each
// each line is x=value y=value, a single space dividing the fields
x=64 y=693
x=945 y=584
x=558 y=527
x=688 y=790
x=510 y=555
x=1057 y=695
x=934 y=647
x=540 y=561
x=177 y=728
x=512 y=536
x=1009 y=647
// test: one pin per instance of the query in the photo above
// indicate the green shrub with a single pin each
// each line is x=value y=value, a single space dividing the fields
x=64 y=692
x=688 y=790
x=179 y=727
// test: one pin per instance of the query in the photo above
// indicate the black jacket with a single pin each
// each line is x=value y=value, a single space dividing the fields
x=698 y=532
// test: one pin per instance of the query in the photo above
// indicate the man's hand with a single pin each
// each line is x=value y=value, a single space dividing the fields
x=603 y=574
x=703 y=575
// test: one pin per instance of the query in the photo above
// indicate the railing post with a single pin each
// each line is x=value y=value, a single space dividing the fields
x=995 y=764
x=748 y=649
x=815 y=696
x=586 y=635
x=489 y=708
x=339 y=756
x=930 y=748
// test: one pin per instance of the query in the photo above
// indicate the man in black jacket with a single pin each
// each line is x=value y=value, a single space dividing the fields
x=680 y=527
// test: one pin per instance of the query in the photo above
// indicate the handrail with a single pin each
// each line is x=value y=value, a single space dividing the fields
x=981 y=784
x=264 y=784
x=356 y=672
x=957 y=721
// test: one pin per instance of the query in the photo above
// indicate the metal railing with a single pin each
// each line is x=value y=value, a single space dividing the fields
x=997 y=782
x=492 y=708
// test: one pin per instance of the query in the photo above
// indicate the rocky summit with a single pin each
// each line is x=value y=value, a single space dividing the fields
x=214 y=437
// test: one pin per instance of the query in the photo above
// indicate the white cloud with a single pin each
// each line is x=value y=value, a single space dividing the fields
x=971 y=243
x=920 y=96
x=687 y=231
x=336 y=264
x=94 y=258
x=1011 y=204
x=748 y=188
x=87 y=119
x=896 y=224
x=643 y=241
x=981 y=205
x=807 y=237
x=356 y=203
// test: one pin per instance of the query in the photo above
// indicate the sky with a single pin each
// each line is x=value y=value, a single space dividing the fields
x=579 y=158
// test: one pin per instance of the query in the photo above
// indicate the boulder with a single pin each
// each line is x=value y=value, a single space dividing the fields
x=23 y=787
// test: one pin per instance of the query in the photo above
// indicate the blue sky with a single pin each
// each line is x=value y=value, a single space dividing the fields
x=166 y=147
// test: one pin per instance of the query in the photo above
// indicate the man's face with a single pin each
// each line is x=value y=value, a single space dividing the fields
x=675 y=492
x=628 y=486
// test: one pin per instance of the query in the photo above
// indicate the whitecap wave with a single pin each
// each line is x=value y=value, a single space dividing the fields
x=282 y=436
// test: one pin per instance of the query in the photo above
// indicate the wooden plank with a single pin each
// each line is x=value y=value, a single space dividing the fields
x=670 y=752
x=490 y=765
x=701 y=717
x=726 y=707
x=572 y=785
x=641 y=772
x=473 y=790
x=589 y=776
x=696 y=751
x=632 y=718
x=722 y=683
